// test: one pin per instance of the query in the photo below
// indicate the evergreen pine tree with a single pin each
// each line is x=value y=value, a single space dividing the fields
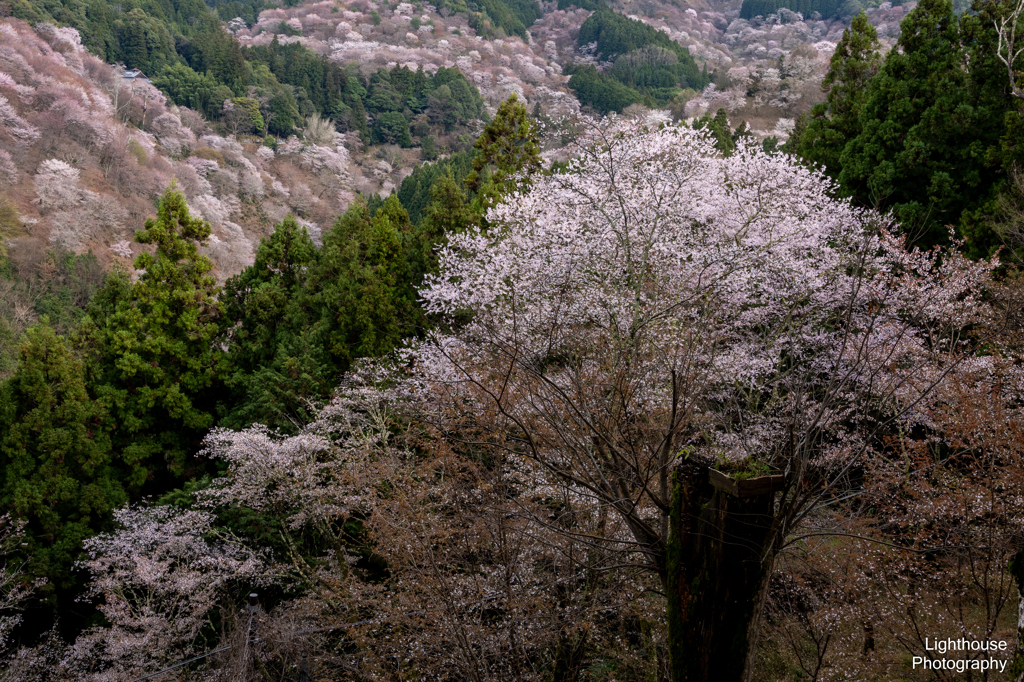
x=364 y=295
x=509 y=154
x=448 y=213
x=153 y=352
x=718 y=127
x=999 y=132
x=136 y=56
x=837 y=121
x=277 y=369
x=56 y=467
x=914 y=154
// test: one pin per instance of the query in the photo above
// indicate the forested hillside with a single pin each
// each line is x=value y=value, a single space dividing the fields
x=648 y=67
x=85 y=154
x=562 y=342
x=764 y=8
x=189 y=56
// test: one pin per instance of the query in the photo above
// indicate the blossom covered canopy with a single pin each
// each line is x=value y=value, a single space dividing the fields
x=726 y=303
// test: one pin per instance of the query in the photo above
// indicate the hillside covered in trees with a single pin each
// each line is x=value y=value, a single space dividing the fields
x=648 y=66
x=763 y=8
x=361 y=345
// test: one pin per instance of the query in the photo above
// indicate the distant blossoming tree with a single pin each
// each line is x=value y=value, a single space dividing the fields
x=18 y=128
x=160 y=576
x=57 y=185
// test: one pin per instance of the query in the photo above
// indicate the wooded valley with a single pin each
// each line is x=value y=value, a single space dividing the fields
x=321 y=360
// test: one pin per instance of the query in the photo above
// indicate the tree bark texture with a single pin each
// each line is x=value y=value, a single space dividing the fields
x=717 y=569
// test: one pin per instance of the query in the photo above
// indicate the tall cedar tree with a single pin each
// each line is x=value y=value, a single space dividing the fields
x=56 y=466
x=363 y=284
x=509 y=156
x=914 y=155
x=998 y=137
x=153 y=358
x=277 y=369
x=837 y=120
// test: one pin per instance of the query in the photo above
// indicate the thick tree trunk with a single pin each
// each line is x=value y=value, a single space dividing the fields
x=717 y=570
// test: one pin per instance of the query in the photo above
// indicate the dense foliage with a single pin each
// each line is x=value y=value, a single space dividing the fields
x=471 y=430
x=582 y=4
x=832 y=123
x=189 y=56
x=300 y=315
x=724 y=139
x=58 y=285
x=754 y=8
x=598 y=90
x=115 y=407
x=488 y=17
x=180 y=45
x=141 y=37
x=58 y=469
x=648 y=67
x=315 y=85
x=415 y=191
x=931 y=133
x=151 y=351
x=508 y=157
x=617 y=34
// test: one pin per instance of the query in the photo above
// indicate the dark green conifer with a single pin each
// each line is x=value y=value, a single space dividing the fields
x=277 y=369
x=718 y=127
x=363 y=290
x=509 y=156
x=57 y=470
x=914 y=153
x=835 y=122
x=153 y=348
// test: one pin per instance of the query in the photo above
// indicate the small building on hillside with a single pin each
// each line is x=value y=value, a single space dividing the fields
x=132 y=75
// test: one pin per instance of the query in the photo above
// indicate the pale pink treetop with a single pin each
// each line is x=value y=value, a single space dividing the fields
x=315 y=477
x=56 y=184
x=736 y=291
x=8 y=171
x=159 y=576
x=21 y=130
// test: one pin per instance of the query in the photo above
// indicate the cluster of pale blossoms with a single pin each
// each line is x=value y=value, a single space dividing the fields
x=654 y=247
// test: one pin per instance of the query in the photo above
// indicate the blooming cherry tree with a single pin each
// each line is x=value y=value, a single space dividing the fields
x=18 y=128
x=159 y=577
x=658 y=311
x=57 y=185
x=315 y=480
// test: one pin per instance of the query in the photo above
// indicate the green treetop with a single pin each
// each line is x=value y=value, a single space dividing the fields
x=277 y=370
x=837 y=121
x=997 y=140
x=153 y=346
x=509 y=153
x=365 y=297
x=914 y=153
x=56 y=467
x=718 y=128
